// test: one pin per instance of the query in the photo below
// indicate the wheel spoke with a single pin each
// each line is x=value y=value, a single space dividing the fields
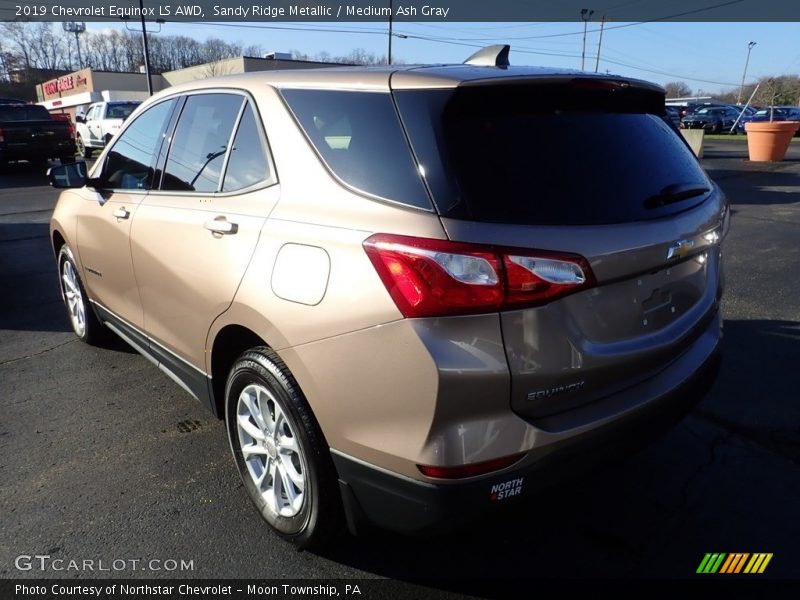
x=250 y=429
x=274 y=495
x=292 y=472
x=260 y=479
x=286 y=484
x=288 y=444
x=264 y=401
x=254 y=448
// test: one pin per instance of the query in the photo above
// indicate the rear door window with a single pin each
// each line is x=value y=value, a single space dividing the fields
x=197 y=154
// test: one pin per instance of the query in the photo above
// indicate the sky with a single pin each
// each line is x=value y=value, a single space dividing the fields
x=709 y=57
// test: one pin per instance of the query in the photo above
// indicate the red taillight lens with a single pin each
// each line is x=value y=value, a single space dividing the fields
x=428 y=278
x=473 y=470
x=71 y=131
x=2 y=137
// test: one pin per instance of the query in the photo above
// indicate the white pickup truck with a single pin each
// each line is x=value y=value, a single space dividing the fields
x=100 y=123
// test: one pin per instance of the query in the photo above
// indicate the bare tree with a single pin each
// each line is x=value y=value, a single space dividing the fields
x=678 y=89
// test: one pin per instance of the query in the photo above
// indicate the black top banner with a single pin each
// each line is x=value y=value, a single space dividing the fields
x=399 y=10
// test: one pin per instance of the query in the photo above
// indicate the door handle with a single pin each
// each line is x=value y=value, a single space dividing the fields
x=221 y=225
x=121 y=213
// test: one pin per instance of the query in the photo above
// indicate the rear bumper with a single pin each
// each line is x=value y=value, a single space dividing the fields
x=374 y=496
x=20 y=151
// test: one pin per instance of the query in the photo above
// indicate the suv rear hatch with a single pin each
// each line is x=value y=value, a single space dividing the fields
x=571 y=166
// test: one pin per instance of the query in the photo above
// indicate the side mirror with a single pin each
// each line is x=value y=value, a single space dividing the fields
x=80 y=119
x=69 y=175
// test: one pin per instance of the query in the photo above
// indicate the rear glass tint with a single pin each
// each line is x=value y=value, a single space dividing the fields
x=25 y=112
x=550 y=155
x=358 y=135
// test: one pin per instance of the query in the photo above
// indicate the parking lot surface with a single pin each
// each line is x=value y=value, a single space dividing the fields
x=102 y=457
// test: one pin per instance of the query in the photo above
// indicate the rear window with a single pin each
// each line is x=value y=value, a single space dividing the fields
x=564 y=154
x=25 y=112
x=120 y=111
x=359 y=137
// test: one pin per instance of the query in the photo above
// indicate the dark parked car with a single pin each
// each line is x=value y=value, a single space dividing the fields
x=779 y=113
x=29 y=132
x=713 y=119
x=674 y=115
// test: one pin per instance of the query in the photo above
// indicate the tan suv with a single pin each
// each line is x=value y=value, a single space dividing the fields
x=413 y=293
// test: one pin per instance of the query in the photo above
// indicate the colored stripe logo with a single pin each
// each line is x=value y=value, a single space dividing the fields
x=736 y=562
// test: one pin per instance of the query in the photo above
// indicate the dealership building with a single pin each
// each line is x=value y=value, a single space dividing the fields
x=73 y=91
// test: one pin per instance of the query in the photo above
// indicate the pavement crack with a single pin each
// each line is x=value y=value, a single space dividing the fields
x=784 y=442
x=35 y=354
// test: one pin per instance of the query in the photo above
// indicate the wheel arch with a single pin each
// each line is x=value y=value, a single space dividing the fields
x=57 y=240
x=229 y=343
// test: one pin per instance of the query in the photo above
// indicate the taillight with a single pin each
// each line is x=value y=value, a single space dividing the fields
x=71 y=131
x=2 y=137
x=428 y=278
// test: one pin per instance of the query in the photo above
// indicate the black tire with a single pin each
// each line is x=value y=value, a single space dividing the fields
x=93 y=332
x=319 y=519
x=82 y=149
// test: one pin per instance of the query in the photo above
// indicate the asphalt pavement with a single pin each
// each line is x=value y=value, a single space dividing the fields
x=104 y=458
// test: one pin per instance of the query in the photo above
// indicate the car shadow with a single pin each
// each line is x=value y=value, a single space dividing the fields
x=29 y=277
x=757 y=187
x=623 y=519
x=23 y=174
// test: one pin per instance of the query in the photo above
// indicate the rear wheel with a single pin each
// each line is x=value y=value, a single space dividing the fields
x=280 y=452
x=84 y=322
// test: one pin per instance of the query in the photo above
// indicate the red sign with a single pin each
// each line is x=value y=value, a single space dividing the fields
x=59 y=85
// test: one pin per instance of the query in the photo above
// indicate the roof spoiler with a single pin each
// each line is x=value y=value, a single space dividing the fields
x=490 y=56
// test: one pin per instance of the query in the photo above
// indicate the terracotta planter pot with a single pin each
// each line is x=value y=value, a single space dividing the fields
x=769 y=141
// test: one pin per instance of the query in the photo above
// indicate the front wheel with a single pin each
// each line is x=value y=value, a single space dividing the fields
x=280 y=452
x=84 y=322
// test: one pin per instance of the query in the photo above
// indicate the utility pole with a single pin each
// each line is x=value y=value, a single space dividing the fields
x=600 y=44
x=391 y=15
x=77 y=28
x=586 y=14
x=145 y=48
x=146 y=51
x=744 y=73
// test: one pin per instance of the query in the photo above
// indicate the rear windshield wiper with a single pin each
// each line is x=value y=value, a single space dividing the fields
x=675 y=193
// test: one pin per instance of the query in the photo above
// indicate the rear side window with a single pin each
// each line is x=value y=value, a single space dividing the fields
x=248 y=163
x=360 y=139
x=197 y=153
x=129 y=164
x=551 y=155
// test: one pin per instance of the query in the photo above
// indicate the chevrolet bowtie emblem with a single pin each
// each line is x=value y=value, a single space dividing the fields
x=680 y=248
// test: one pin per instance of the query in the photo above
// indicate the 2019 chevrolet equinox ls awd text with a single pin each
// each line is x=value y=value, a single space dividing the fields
x=411 y=292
